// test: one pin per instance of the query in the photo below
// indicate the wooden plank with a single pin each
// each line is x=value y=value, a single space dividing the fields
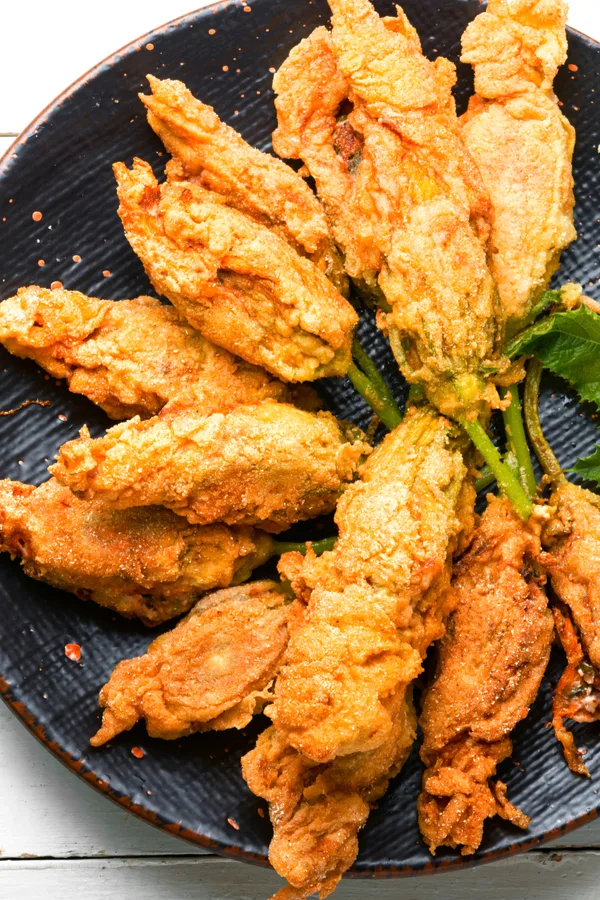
x=536 y=876
x=47 y=811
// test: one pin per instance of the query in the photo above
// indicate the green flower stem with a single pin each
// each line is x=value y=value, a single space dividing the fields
x=543 y=450
x=507 y=482
x=319 y=547
x=364 y=362
x=416 y=394
x=486 y=478
x=516 y=439
x=388 y=413
x=509 y=459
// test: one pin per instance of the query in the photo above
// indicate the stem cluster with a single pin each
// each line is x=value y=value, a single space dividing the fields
x=513 y=473
x=370 y=384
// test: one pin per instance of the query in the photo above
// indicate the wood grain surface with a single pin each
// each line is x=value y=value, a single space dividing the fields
x=58 y=838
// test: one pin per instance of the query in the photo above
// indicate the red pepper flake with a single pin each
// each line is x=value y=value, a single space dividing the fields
x=149 y=46
x=56 y=286
x=106 y=273
x=41 y=262
x=77 y=258
x=261 y=812
x=212 y=31
x=233 y=824
x=137 y=752
x=36 y=216
x=62 y=417
x=573 y=68
x=73 y=652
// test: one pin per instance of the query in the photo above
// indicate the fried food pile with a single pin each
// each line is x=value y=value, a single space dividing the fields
x=318 y=811
x=452 y=229
x=145 y=562
x=209 y=153
x=374 y=603
x=522 y=144
x=234 y=279
x=212 y=672
x=490 y=667
x=572 y=540
x=343 y=721
x=102 y=349
x=374 y=122
x=269 y=464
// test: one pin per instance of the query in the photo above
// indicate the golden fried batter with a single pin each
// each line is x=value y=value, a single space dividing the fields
x=343 y=717
x=522 y=143
x=577 y=694
x=375 y=124
x=212 y=672
x=234 y=280
x=573 y=541
x=216 y=157
x=374 y=601
x=317 y=811
x=270 y=463
x=573 y=562
x=310 y=93
x=132 y=357
x=490 y=667
x=147 y=563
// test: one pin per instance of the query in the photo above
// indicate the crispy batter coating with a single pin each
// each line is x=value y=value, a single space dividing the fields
x=233 y=279
x=577 y=694
x=145 y=563
x=343 y=717
x=375 y=124
x=374 y=601
x=216 y=157
x=271 y=464
x=490 y=667
x=317 y=811
x=212 y=672
x=310 y=92
x=133 y=357
x=573 y=560
x=522 y=143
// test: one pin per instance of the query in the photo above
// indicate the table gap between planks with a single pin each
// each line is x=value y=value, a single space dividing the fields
x=58 y=837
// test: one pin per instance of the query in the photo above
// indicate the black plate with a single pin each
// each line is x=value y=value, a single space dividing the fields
x=61 y=166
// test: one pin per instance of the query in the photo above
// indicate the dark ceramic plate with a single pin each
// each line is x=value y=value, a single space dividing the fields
x=61 y=166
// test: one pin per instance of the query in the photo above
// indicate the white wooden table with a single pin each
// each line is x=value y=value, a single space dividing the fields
x=60 y=839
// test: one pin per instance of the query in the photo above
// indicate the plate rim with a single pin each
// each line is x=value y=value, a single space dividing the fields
x=82 y=769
